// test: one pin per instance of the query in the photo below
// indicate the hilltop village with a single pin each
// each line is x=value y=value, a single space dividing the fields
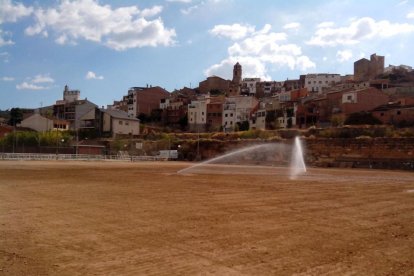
x=373 y=95
x=375 y=92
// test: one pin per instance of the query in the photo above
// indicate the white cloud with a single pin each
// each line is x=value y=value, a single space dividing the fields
x=260 y=50
x=11 y=12
x=42 y=79
x=234 y=32
x=359 y=29
x=304 y=63
x=92 y=76
x=30 y=86
x=7 y=79
x=180 y=1
x=401 y=3
x=151 y=12
x=326 y=24
x=344 y=55
x=204 y=6
x=410 y=15
x=252 y=67
x=38 y=82
x=189 y=10
x=120 y=29
x=293 y=25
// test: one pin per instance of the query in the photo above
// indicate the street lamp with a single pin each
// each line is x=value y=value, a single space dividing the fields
x=63 y=140
x=58 y=144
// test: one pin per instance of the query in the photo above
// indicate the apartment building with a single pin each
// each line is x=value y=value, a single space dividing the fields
x=215 y=114
x=144 y=99
x=72 y=108
x=249 y=86
x=197 y=114
x=238 y=109
x=268 y=88
x=315 y=83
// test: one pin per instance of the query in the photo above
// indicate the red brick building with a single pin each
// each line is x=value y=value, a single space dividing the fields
x=215 y=114
x=395 y=114
x=214 y=83
x=319 y=110
x=145 y=99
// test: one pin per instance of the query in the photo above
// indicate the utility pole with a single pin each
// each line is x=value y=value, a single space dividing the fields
x=198 y=157
x=14 y=133
x=77 y=141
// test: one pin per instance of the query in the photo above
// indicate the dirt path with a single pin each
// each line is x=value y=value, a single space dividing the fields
x=103 y=218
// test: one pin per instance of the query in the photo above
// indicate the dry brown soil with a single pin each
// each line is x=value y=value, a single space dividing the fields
x=110 y=218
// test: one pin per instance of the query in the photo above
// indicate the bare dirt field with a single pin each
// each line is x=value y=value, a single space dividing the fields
x=113 y=218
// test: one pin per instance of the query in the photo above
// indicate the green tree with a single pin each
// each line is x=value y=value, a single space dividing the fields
x=243 y=126
x=16 y=116
x=289 y=122
x=362 y=118
x=271 y=120
x=156 y=115
x=183 y=122
x=144 y=118
x=337 y=120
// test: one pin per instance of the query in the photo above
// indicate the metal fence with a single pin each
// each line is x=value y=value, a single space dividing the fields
x=80 y=157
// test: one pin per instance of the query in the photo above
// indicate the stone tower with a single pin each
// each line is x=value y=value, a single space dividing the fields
x=70 y=95
x=237 y=74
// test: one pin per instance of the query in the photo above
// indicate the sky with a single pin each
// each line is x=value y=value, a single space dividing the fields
x=103 y=48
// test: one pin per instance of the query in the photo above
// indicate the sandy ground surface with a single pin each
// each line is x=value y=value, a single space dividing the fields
x=110 y=218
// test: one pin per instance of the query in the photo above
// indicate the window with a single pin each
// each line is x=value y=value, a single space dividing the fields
x=226 y=115
x=399 y=112
x=126 y=123
x=121 y=123
x=382 y=114
x=349 y=98
x=231 y=114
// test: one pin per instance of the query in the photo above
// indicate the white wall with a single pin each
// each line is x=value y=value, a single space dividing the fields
x=197 y=113
x=349 y=97
x=229 y=116
x=316 y=82
x=37 y=122
x=125 y=126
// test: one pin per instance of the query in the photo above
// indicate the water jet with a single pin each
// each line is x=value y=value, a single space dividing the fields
x=289 y=157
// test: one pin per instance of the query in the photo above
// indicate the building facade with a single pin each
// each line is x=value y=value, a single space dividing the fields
x=71 y=108
x=365 y=69
x=197 y=114
x=315 y=83
x=143 y=100
x=249 y=86
x=214 y=83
